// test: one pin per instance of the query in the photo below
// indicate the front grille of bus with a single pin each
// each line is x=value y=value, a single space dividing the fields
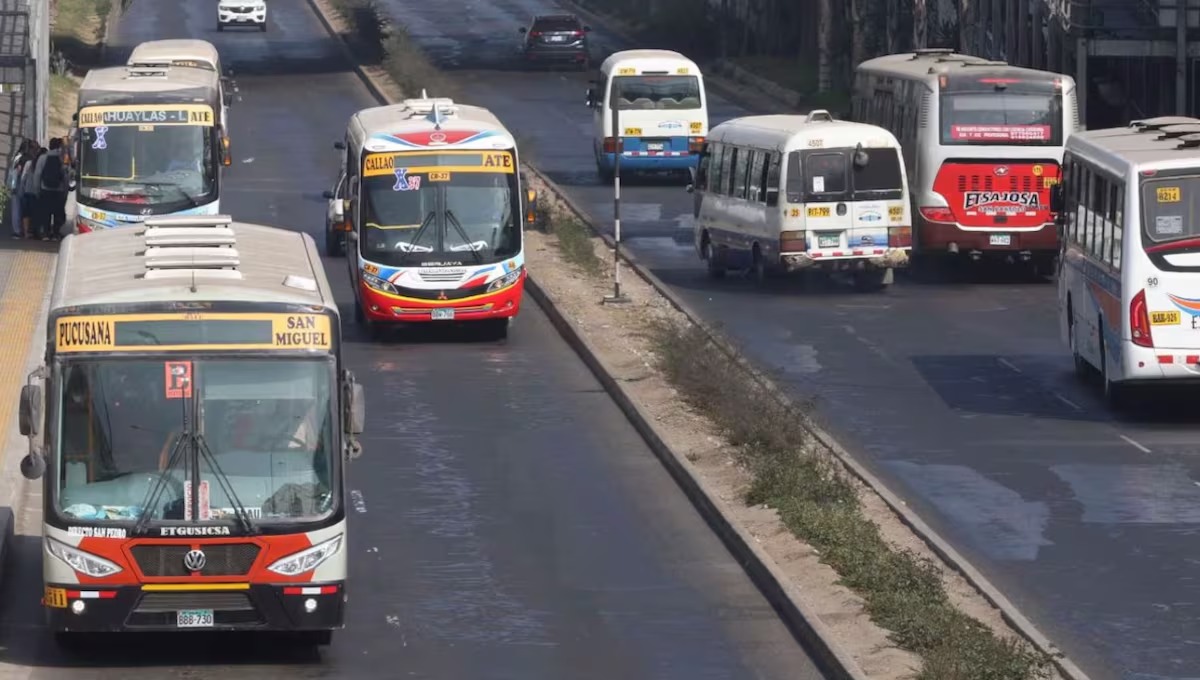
x=452 y=276
x=224 y=559
x=159 y=609
x=990 y=182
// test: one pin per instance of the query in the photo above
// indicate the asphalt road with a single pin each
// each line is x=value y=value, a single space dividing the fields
x=957 y=392
x=509 y=523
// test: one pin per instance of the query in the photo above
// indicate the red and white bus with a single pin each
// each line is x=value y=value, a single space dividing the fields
x=429 y=200
x=983 y=143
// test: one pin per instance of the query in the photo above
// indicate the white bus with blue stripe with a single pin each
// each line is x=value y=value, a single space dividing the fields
x=662 y=110
x=150 y=141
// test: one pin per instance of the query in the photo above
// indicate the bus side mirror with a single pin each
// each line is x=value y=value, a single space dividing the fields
x=337 y=211
x=591 y=98
x=226 y=156
x=30 y=410
x=530 y=206
x=339 y=145
x=1056 y=198
x=327 y=194
x=690 y=188
x=227 y=98
x=358 y=409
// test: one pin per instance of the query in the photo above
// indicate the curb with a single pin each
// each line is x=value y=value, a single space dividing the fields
x=804 y=624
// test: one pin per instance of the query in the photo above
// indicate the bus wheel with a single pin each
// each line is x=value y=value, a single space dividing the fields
x=606 y=174
x=314 y=638
x=870 y=280
x=495 y=329
x=1115 y=394
x=360 y=317
x=715 y=270
x=759 y=267
x=1081 y=364
x=333 y=244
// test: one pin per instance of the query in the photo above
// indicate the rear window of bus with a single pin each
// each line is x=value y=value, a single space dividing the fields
x=1171 y=208
x=829 y=175
x=1001 y=117
x=657 y=92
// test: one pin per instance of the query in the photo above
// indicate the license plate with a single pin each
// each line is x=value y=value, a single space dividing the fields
x=654 y=147
x=828 y=240
x=1000 y=239
x=194 y=618
x=442 y=314
x=557 y=38
x=1168 y=318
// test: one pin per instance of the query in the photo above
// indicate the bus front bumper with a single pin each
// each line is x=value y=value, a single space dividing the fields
x=382 y=307
x=650 y=162
x=282 y=607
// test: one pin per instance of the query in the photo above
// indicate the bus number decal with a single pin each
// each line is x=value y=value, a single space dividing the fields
x=1168 y=194
x=1169 y=318
x=55 y=597
x=372 y=269
x=178 y=379
x=439 y=176
x=1048 y=182
x=1037 y=171
x=795 y=212
x=697 y=126
x=633 y=131
x=94 y=334
x=819 y=212
x=626 y=71
x=404 y=182
x=681 y=71
x=816 y=143
x=896 y=213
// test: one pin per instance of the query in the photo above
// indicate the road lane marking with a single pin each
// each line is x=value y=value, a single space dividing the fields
x=1134 y=444
x=1068 y=402
x=1009 y=364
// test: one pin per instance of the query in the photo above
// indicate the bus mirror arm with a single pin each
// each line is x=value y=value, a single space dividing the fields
x=358 y=409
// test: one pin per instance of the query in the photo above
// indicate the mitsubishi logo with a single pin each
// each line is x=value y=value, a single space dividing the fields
x=195 y=560
x=1001 y=170
x=442 y=295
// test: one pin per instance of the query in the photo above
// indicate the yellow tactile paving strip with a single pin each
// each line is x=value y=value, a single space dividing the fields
x=20 y=308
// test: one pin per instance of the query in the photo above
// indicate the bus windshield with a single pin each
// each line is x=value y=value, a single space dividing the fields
x=657 y=92
x=161 y=165
x=1172 y=208
x=424 y=214
x=1001 y=117
x=824 y=175
x=268 y=423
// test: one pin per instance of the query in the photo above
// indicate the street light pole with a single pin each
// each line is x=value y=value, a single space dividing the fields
x=618 y=149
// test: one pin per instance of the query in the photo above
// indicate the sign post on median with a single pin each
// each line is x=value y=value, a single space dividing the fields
x=618 y=148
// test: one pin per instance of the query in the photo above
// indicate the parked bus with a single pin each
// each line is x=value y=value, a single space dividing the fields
x=186 y=53
x=429 y=199
x=802 y=193
x=983 y=143
x=149 y=142
x=197 y=416
x=662 y=110
x=1129 y=287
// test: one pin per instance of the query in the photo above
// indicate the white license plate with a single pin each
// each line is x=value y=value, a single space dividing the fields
x=557 y=38
x=1000 y=239
x=194 y=618
x=442 y=314
x=829 y=240
x=654 y=147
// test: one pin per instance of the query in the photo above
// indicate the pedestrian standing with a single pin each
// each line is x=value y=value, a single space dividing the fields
x=29 y=202
x=51 y=176
x=14 y=186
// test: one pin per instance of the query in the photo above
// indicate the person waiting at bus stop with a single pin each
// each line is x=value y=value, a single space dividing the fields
x=51 y=180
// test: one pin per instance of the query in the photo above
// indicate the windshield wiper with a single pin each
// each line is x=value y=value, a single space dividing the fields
x=151 y=500
x=239 y=510
x=463 y=233
x=417 y=236
x=174 y=185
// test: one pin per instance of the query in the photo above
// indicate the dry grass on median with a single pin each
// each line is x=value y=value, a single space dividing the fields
x=806 y=485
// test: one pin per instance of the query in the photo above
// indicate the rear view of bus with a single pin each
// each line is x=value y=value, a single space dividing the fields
x=987 y=143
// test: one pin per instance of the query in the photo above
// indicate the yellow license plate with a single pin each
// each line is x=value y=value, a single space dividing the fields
x=55 y=597
x=633 y=131
x=1049 y=181
x=1167 y=194
x=896 y=212
x=819 y=212
x=439 y=176
x=1164 y=318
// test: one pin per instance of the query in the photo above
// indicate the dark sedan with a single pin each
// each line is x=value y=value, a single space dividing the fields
x=556 y=39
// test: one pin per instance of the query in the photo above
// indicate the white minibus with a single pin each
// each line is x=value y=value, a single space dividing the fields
x=1129 y=281
x=661 y=107
x=791 y=192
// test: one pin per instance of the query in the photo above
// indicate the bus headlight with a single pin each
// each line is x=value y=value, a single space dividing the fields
x=506 y=280
x=80 y=561
x=307 y=559
x=83 y=225
x=379 y=284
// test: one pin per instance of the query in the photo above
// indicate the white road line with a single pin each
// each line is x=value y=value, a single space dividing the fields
x=1134 y=444
x=1068 y=402
x=1009 y=364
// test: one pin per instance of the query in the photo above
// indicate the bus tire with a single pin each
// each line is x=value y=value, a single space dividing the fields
x=1081 y=364
x=1115 y=394
x=360 y=317
x=715 y=270
x=333 y=244
x=495 y=329
x=314 y=638
x=606 y=174
x=870 y=280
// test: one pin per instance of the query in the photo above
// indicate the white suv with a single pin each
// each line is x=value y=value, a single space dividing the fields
x=242 y=13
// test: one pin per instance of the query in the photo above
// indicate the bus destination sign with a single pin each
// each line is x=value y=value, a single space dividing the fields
x=193 y=332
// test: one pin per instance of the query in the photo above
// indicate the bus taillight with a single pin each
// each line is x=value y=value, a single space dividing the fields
x=792 y=241
x=695 y=144
x=610 y=145
x=1139 y=321
x=935 y=214
x=899 y=237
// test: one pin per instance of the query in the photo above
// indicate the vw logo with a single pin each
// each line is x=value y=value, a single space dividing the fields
x=147 y=211
x=195 y=560
x=1001 y=170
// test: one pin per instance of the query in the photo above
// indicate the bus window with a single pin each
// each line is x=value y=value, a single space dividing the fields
x=772 y=182
x=880 y=178
x=657 y=92
x=1172 y=206
x=1002 y=117
x=825 y=175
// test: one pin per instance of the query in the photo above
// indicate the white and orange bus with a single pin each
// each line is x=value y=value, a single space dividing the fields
x=197 y=419
x=429 y=200
x=983 y=143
